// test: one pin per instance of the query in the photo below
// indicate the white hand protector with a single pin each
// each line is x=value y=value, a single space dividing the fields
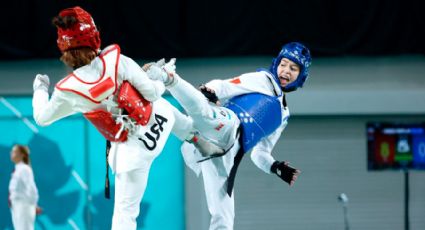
x=161 y=71
x=170 y=67
x=42 y=82
x=156 y=73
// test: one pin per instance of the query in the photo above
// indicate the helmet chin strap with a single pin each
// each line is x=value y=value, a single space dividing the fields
x=288 y=90
x=291 y=87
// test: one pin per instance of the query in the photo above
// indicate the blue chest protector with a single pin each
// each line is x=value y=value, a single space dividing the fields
x=260 y=115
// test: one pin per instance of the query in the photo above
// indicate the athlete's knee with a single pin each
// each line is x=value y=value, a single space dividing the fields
x=223 y=217
x=127 y=206
x=123 y=222
x=220 y=222
x=201 y=113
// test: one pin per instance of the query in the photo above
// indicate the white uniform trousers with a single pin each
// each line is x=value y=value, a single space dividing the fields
x=23 y=215
x=219 y=125
x=220 y=205
x=215 y=173
x=129 y=189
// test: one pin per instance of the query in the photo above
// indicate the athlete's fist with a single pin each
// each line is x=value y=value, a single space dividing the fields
x=156 y=73
x=161 y=71
x=209 y=94
x=42 y=82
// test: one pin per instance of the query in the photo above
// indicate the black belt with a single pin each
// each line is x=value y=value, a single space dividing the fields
x=236 y=161
x=107 y=187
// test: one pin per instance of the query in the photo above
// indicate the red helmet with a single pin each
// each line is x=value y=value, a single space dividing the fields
x=83 y=33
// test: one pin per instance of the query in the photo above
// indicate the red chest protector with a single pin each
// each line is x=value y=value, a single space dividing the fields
x=129 y=99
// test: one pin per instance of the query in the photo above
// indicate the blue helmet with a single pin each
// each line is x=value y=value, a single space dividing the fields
x=299 y=54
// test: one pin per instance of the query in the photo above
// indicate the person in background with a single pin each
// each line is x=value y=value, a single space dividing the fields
x=23 y=194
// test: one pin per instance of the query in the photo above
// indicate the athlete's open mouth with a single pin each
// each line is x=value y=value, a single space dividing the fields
x=284 y=78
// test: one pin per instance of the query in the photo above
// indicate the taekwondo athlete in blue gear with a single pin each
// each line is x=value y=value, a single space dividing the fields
x=252 y=120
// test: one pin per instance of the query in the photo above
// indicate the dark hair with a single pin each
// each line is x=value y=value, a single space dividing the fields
x=25 y=151
x=64 y=22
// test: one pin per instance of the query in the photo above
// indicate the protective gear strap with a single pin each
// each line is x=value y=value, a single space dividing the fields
x=216 y=154
x=236 y=161
x=107 y=184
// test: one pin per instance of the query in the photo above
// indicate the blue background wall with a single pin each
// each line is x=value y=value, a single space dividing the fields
x=68 y=159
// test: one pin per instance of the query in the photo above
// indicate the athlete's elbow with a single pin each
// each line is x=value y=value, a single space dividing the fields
x=151 y=98
x=155 y=93
x=258 y=159
x=40 y=121
x=255 y=157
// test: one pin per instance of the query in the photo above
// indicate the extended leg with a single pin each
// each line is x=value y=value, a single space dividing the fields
x=190 y=98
